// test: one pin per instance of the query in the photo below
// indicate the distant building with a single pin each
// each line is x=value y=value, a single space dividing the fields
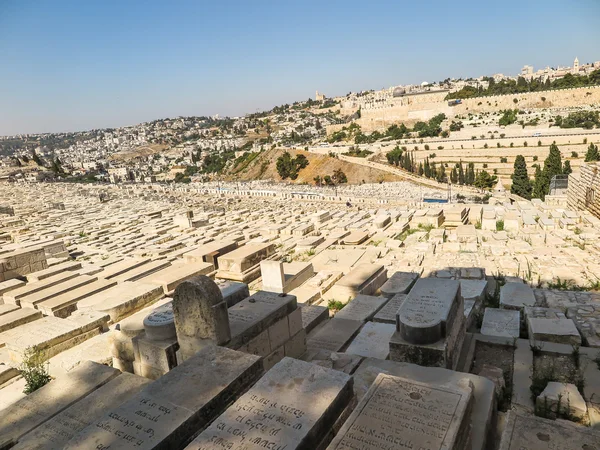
x=320 y=97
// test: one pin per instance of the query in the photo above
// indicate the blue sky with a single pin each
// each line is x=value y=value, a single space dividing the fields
x=75 y=65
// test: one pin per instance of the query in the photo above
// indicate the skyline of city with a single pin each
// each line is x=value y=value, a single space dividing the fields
x=71 y=67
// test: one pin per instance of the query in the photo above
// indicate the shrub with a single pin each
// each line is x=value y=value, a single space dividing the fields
x=574 y=155
x=535 y=158
x=503 y=159
x=34 y=369
x=499 y=225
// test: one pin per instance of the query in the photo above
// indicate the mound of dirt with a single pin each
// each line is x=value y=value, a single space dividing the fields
x=263 y=167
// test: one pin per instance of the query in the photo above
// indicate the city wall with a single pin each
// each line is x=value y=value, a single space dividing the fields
x=412 y=108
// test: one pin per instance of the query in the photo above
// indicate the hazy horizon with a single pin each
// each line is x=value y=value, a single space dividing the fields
x=68 y=66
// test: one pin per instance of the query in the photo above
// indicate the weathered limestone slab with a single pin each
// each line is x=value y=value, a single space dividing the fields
x=5 y=309
x=296 y=404
x=484 y=405
x=169 y=411
x=14 y=296
x=561 y=400
x=373 y=340
x=31 y=301
x=431 y=324
x=233 y=292
x=501 y=322
x=399 y=413
x=142 y=271
x=64 y=304
x=45 y=403
x=423 y=316
x=57 y=431
x=210 y=252
x=11 y=284
x=362 y=307
x=119 y=268
x=123 y=299
x=561 y=331
x=399 y=283
x=200 y=315
x=334 y=335
x=535 y=433
x=332 y=360
x=53 y=270
x=313 y=315
x=257 y=313
x=235 y=263
x=174 y=275
x=53 y=335
x=516 y=296
x=473 y=289
x=387 y=314
x=18 y=317
x=363 y=279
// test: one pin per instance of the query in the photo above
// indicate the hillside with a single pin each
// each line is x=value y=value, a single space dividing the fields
x=263 y=167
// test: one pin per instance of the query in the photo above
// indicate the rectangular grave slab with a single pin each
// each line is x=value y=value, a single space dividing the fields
x=63 y=305
x=170 y=411
x=501 y=323
x=53 y=270
x=428 y=311
x=57 y=431
x=31 y=301
x=122 y=300
x=399 y=283
x=18 y=317
x=343 y=362
x=14 y=296
x=362 y=307
x=536 y=433
x=313 y=315
x=293 y=406
x=334 y=335
x=373 y=340
x=253 y=315
x=172 y=276
x=387 y=314
x=45 y=403
x=516 y=296
x=53 y=335
x=399 y=413
x=473 y=289
x=561 y=331
x=484 y=405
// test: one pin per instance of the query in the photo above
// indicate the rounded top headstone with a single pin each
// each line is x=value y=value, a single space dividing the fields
x=160 y=323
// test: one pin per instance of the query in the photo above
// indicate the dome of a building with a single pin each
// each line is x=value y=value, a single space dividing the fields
x=398 y=92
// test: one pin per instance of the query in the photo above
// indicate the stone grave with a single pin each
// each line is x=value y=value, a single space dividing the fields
x=168 y=412
x=334 y=334
x=362 y=308
x=372 y=341
x=293 y=406
x=399 y=283
x=430 y=324
x=535 y=433
x=363 y=279
x=283 y=277
x=402 y=413
x=57 y=431
x=501 y=323
x=201 y=317
x=38 y=407
x=516 y=296
x=387 y=314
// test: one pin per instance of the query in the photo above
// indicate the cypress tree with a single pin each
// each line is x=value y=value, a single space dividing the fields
x=538 y=184
x=592 y=153
x=567 y=168
x=521 y=185
x=421 y=170
x=461 y=174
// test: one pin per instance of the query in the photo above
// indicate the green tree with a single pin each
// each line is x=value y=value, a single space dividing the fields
x=339 y=177
x=538 y=184
x=592 y=153
x=567 y=168
x=484 y=180
x=461 y=174
x=521 y=185
x=393 y=156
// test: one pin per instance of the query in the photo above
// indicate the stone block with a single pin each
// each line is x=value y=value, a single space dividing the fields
x=501 y=322
x=307 y=398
